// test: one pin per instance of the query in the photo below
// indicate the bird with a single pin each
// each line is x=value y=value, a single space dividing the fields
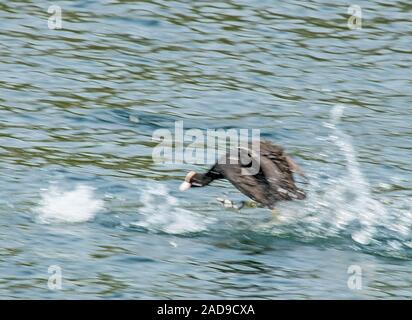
x=273 y=181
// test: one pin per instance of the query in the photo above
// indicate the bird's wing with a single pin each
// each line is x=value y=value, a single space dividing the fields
x=280 y=181
x=253 y=186
x=278 y=169
x=272 y=183
x=276 y=154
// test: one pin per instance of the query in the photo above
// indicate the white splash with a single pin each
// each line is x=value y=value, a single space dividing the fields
x=369 y=211
x=161 y=212
x=78 y=205
x=338 y=204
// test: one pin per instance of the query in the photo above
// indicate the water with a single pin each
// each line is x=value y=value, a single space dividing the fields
x=78 y=108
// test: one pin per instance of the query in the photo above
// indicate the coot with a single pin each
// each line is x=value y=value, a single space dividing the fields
x=273 y=181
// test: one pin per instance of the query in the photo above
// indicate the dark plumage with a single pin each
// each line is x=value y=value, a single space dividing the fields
x=273 y=182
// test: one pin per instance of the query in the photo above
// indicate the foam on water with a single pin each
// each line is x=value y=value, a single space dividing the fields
x=77 y=205
x=162 y=212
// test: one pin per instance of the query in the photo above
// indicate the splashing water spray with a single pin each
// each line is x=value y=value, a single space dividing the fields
x=370 y=211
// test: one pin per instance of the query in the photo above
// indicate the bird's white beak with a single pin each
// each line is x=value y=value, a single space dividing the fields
x=184 y=186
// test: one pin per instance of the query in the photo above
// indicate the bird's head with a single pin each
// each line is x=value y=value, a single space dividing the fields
x=192 y=179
